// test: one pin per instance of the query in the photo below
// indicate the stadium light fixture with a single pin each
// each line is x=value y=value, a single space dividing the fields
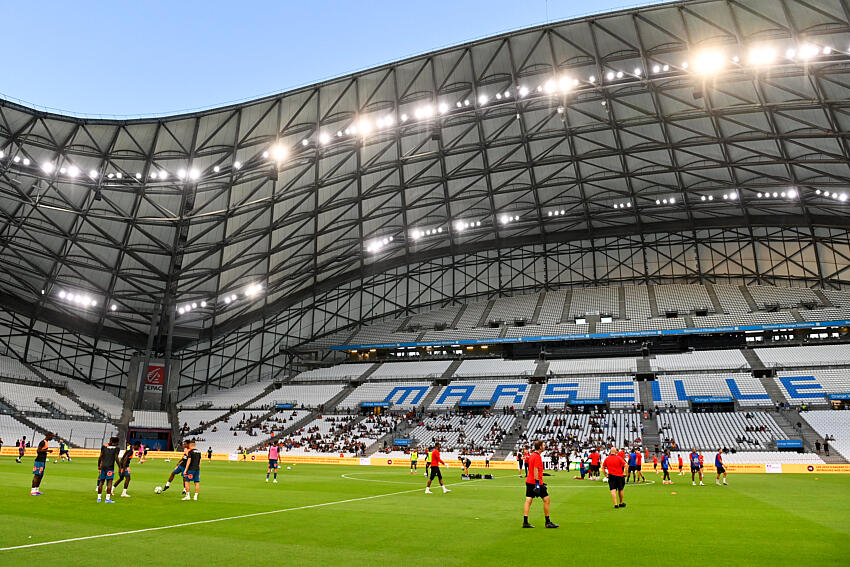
x=48 y=167
x=323 y=139
x=808 y=51
x=665 y=68
x=113 y=307
x=63 y=170
x=483 y=99
x=93 y=174
x=591 y=79
x=181 y=174
x=138 y=175
x=619 y=74
x=110 y=175
x=610 y=75
x=708 y=62
x=17 y=159
x=761 y=56
x=792 y=193
x=73 y=171
x=827 y=50
x=216 y=169
x=443 y=108
x=638 y=72
x=656 y=68
x=278 y=152
x=265 y=155
x=194 y=174
x=523 y=90
x=26 y=161
x=2 y=154
x=565 y=84
x=404 y=117
x=790 y=53
x=119 y=175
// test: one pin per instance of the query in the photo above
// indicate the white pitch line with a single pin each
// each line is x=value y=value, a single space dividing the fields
x=214 y=520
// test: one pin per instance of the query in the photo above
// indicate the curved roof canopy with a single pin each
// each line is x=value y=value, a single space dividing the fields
x=716 y=113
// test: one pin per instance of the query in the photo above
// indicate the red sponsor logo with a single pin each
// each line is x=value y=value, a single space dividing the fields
x=156 y=375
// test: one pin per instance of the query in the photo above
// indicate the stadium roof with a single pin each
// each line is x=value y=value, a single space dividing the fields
x=681 y=116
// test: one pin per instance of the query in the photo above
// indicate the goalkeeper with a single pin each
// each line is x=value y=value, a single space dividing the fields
x=535 y=487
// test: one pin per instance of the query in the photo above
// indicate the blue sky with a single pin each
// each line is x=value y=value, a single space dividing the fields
x=155 y=57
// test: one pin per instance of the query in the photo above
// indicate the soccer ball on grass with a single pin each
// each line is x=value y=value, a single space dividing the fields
x=158 y=490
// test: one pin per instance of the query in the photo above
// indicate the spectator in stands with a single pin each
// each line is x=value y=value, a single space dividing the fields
x=826 y=446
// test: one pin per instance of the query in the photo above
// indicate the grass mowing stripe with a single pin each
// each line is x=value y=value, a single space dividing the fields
x=214 y=520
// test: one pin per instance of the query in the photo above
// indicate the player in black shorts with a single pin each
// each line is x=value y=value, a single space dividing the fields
x=40 y=464
x=193 y=471
x=106 y=465
x=181 y=466
x=466 y=463
x=124 y=468
x=436 y=461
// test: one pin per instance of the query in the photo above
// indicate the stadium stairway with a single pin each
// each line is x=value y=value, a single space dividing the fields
x=450 y=371
x=506 y=447
x=533 y=393
x=54 y=410
x=485 y=315
x=365 y=376
x=537 y=308
x=621 y=302
x=434 y=392
x=542 y=369
x=458 y=316
x=565 y=313
x=98 y=413
x=795 y=313
x=712 y=295
x=653 y=301
x=770 y=386
x=401 y=432
x=753 y=360
x=788 y=420
x=824 y=299
x=748 y=297
x=645 y=394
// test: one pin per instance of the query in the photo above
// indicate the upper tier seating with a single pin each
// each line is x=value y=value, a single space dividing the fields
x=12 y=368
x=824 y=355
x=424 y=369
x=300 y=395
x=504 y=392
x=785 y=297
x=731 y=299
x=88 y=434
x=681 y=298
x=338 y=372
x=833 y=423
x=712 y=431
x=225 y=398
x=495 y=367
x=553 y=308
x=428 y=319
x=23 y=397
x=699 y=360
x=150 y=419
x=510 y=309
x=603 y=300
x=593 y=366
x=677 y=389
x=401 y=395
x=109 y=404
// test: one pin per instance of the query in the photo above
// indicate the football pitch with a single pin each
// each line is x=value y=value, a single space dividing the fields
x=322 y=515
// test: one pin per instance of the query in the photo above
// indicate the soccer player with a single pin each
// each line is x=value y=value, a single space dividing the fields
x=615 y=467
x=594 y=464
x=665 y=468
x=209 y=454
x=681 y=463
x=64 y=453
x=721 y=470
x=427 y=460
x=193 y=470
x=535 y=487
x=124 y=468
x=520 y=460
x=106 y=466
x=655 y=463
x=22 y=448
x=39 y=464
x=274 y=454
x=414 y=456
x=181 y=466
x=465 y=463
x=435 y=470
x=632 y=476
x=640 y=468
x=696 y=467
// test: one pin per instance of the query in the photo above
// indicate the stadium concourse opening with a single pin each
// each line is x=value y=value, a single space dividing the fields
x=603 y=261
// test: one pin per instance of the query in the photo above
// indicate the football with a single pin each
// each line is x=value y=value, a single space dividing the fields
x=158 y=490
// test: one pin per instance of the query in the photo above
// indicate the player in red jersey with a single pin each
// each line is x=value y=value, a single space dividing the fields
x=640 y=477
x=535 y=487
x=435 y=470
x=721 y=470
x=655 y=463
x=680 y=464
x=615 y=467
x=594 y=464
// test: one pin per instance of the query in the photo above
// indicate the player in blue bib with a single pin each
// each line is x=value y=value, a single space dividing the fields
x=696 y=467
x=721 y=470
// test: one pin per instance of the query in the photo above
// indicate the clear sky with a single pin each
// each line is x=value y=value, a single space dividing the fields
x=146 y=57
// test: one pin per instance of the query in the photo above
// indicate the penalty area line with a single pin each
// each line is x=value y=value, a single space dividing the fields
x=212 y=521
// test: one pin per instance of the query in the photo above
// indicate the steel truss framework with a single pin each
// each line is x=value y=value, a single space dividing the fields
x=301 y=226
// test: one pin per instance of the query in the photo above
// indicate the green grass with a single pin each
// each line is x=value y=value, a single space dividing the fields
x=756 y=520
